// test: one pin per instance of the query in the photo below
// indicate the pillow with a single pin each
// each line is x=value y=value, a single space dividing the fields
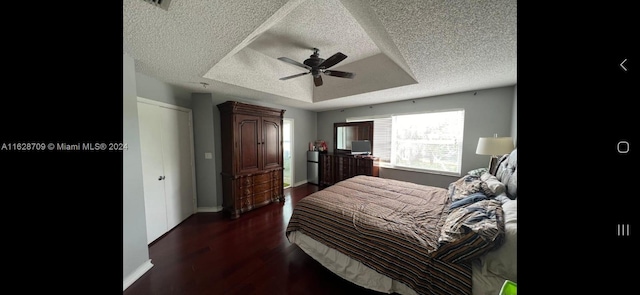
x=503 y=198
x=508 y=174
x=503 y=261
x=493 y=183
x=478 y=172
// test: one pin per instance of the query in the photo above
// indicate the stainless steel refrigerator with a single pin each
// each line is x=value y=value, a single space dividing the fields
x=313 y=166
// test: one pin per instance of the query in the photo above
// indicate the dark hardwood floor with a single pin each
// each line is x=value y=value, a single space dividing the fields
x=211 y=254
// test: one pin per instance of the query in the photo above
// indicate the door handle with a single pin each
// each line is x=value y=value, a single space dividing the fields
x=161 y=177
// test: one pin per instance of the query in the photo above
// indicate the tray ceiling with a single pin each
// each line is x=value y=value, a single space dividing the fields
x=397 y=49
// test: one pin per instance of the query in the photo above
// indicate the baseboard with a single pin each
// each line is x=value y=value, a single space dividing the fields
x=135 y=275
x=210 y=209
x=299 y=183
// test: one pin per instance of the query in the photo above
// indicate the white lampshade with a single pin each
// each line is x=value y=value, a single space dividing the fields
x=493 y=146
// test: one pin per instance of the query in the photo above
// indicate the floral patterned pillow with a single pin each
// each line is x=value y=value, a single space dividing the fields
x=478 y=172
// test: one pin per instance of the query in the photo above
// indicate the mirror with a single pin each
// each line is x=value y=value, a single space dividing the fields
x=345 y=133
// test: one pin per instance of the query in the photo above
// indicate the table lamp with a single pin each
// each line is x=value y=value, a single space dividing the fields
x=494 y=146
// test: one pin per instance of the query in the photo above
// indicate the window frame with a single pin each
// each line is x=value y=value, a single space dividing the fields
x=390 y=165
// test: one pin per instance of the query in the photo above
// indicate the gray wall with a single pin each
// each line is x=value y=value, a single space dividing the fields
x=204 y=140
x=134 y=230
x=487 y=112
x=152 y=88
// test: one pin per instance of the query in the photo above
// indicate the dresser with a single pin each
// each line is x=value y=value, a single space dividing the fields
x=335 y=168
x=251 y=156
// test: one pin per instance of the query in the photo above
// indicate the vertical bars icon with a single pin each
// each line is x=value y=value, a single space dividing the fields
x=623 y=230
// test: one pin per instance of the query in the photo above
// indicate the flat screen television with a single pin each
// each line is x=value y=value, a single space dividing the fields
x=360 y=147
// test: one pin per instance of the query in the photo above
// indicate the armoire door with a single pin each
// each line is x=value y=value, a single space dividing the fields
x=248 y=142
x=272 y=142
x=167 y=167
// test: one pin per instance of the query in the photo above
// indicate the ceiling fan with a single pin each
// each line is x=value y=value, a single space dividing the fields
x=317 y=66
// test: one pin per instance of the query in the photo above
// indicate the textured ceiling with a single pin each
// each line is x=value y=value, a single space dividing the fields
x=397 y=49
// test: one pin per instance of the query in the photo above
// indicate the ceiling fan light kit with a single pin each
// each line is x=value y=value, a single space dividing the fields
x=316 y=66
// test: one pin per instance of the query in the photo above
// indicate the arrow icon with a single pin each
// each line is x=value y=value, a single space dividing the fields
x=622 y=64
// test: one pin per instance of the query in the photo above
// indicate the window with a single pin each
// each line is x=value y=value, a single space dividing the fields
x=425 y=142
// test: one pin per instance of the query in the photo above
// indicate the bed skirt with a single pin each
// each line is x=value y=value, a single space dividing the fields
x=347 y=268
x=361 y=275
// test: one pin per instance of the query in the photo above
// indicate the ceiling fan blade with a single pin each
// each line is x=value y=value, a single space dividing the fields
x=293 y=62
x=332 y=61
x=293 y=76
x=340 y=74
x=317 y=80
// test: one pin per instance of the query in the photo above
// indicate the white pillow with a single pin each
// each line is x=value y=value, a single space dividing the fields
x=493 y=183
x=503 y=261
x=503 y=198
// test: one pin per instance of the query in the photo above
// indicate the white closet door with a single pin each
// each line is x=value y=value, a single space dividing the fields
x=176 y=158
x=152 y=170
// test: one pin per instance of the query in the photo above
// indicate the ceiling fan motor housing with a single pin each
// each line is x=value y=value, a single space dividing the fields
x=313 y=61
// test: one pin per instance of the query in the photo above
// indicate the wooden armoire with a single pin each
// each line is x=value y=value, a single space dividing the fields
x=251 y=156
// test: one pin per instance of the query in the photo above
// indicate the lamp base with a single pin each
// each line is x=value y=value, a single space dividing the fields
x=493 y=165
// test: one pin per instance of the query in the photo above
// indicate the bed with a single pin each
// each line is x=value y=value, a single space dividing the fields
x=399 y=237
